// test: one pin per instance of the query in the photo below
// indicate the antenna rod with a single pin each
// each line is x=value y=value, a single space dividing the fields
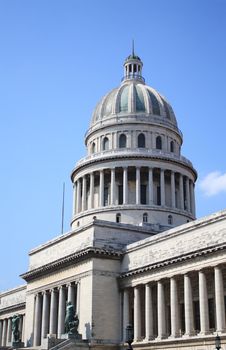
x=62 y=213
x=133 y=47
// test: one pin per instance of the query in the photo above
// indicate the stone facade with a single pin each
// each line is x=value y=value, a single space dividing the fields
x=135 y=253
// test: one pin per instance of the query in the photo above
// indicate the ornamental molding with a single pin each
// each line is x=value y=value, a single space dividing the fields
x=68 y=260
x=181 y=258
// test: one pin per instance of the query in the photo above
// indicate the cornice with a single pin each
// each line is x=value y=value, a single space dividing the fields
x=175 y=260
x=132 y=157
x=12 y=308
x=68 y=260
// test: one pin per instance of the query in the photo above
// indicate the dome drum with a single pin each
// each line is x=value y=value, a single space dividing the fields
x=134 y=186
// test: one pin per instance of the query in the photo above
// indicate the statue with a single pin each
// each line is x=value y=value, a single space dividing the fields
x=15 y=328
x=71 y=320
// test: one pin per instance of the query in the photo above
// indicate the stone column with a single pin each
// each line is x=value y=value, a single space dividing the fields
x=78 y=209
x=45 y=315
x=188 y=194
x=219 y=300
x=174 y=307
x=192 y=198
x=9 y=331
x=78 y=298
x=137 y=314
x=125 y=312
x=101 y=189
x=113 y=188
x=188 y=306
x=61 y=312
x=181 y=187
x=38 y=320
x=125 y=186
x=71 y=293
x=53 y=312
x=4 y=332
x=162 y=187
x=203 y=304
x=1 y=326
x=150 y=186
x=91 y=190
x=23 y=329
x=149 y=330
x=137 y=185
x=84 y=193
x=74 y=199
x=161 y=311
x=20 y=326
x=173 y=201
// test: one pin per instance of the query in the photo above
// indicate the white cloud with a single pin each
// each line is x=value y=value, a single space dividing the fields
x=213 y=183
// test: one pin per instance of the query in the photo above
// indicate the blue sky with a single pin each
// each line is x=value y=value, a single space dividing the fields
x=58 y=58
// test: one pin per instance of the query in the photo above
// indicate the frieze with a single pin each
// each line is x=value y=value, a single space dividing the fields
x=178 y=259
x=68 y=260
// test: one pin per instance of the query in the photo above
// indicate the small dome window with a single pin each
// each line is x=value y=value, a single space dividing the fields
x=118 y=217
x=93 y=147
x=170 y=220
x=145 y=217
x=158 y=142
x=122 y=141
x=141 y=141
x=105 y=144
x=171 y=146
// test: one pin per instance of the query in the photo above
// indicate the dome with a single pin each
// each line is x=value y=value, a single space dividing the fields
x=133 y=98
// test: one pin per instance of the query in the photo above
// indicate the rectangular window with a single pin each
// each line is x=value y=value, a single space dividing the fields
x=120 y=194
x=106 y=192
x=211 y=313
x=158 y=195
x=143 y=191
x=196 y=315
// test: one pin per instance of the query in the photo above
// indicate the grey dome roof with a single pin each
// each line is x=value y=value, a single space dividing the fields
x=133 y=97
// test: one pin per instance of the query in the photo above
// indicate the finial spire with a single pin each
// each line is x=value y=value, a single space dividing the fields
x=133 y=48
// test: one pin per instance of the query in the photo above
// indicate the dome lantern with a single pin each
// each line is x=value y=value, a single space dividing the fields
x=133 y=67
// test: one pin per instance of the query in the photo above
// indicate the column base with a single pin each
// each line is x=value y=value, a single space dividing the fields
x=217 y=332
x=147 y=339
x=191 y=334
x=203 y=333
x=161 y=337
x=176 y=335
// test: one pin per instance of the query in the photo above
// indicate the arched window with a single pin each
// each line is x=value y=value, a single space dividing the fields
x=122 y=141
x=93 y=148
x=141 y=141
x=105 y=144
x=145 y=217
x=171 y=146
x=118 y=217
x=158 y=142
x=170 y=220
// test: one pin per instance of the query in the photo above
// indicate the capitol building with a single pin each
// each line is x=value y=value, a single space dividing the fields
x=135 y=254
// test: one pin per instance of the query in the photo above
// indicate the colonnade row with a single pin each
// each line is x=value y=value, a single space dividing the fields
x=6 y=336
x=155 y=313
x=50 y=310
x=152 y=186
